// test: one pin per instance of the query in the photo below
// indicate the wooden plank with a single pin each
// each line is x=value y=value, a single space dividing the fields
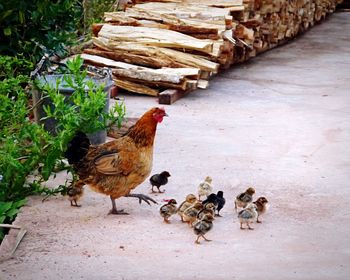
x=169 y=96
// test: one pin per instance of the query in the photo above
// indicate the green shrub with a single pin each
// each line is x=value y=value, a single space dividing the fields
x=29 y=155
x=25 y=24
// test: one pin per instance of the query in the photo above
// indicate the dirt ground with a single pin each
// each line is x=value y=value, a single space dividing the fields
x=280 y=123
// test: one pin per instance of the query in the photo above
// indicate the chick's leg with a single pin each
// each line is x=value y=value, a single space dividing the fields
x=142 y=197
x=114 y=210
x=160 y=190
x=206 y=238
x=249 y=227
x=197 y=240
x=241 y=227
x=257 y=220
x=218 y=214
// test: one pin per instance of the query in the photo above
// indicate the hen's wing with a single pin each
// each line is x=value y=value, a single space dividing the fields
x=122 y=159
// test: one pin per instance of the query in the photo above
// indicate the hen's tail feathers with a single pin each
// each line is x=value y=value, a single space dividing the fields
x=77 y=148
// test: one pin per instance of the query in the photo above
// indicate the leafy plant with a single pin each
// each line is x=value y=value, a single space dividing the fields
x=24 y=25
x=8 y=211
x=82 y=110
x=95 y=9
x=29 y=154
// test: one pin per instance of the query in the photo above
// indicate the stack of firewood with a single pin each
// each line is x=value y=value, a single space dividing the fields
x=179 y=44
x=157 y=46
x=265 y=24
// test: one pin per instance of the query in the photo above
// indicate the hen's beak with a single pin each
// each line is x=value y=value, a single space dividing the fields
x=166 y=115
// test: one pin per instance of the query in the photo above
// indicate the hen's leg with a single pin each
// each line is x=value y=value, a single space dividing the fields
x=114 y=209
x=76 y=203
x=142 y=197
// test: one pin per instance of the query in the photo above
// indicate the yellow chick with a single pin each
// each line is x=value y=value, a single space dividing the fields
x=75 y=193
x=190 y=200
x=243 y=199
x=208 y=208
x=202 y=227
x=248 y=215
x=262 y=206
x=205 y=188
x=168 y=210
x=190 y=213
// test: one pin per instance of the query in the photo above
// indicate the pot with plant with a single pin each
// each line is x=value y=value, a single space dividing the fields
x=75 y=101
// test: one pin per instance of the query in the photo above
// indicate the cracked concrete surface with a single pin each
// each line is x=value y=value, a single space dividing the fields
x=280 y=123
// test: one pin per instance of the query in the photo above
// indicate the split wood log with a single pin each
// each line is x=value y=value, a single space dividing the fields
x=168 y=55
x=219 y=4
x=142 y=60
x=135 y=87
x=170 y=75
x=154 y=37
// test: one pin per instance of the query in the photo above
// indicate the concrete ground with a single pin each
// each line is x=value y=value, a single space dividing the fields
x=280 y=123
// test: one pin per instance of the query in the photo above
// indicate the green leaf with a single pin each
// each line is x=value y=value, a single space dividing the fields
x=12 y=213
x=19 y=203
x=4 y=207
x=7 y=31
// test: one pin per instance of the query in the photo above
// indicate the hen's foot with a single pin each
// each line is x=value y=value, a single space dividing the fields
x=75 y=204
x=117 y=212
x=142 y=197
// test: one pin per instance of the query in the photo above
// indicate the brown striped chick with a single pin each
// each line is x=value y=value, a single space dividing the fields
x=262 y=206
x=243 y=199
x=205 y=188
x=248 y=215
x=190 y=213
x=168 y=210
x=74 y=193
x=201 y=227
x=208 y=208
x=190 y=200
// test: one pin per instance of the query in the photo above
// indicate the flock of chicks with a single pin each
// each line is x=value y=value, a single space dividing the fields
x=200 y=214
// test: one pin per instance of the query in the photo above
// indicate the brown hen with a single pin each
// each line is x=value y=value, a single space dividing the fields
x=117 y=167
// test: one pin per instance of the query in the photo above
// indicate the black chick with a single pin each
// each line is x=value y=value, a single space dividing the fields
x=221 y=202
x=159 y=180
x=212 y=198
